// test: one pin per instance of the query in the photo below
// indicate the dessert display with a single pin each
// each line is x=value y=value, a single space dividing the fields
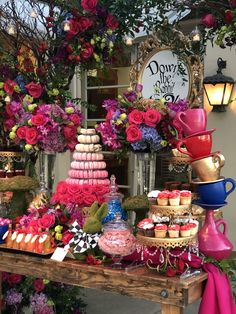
x=146 y=227
x=173 y=231
x=160 y=230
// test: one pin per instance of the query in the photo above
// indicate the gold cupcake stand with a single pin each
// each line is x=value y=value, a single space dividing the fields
x=170 y=210
x=167 y=242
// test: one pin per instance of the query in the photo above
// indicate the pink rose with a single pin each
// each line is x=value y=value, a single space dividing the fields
x=87 y=50
x=34 y=89
x=87 y=189
x=39 y=285
x=75 y=118
x=33 y=226
x=71 y=145
x=109 y=114
x=133 y=134
x=79 y=199
x=62 y=187
x=9 y=123
x=74 y=28
x=65 y=199
x=89 y=200
x=46 y=221
x=9 y=111
x=101 y=189
x=135 y=117
x=70 y=132
x=152 y=117
x=31 y=136
x=112 y=22
x=38 y=119
x=21 y=132
x=66 y=237
x=9 y=86
x=229 y=16
x=85 y=23
x=89 y=5
x=209 y=20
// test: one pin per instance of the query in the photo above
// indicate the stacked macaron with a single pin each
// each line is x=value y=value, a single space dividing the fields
x=88 y=166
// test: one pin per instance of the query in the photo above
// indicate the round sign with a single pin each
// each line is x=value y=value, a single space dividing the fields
x=165 y=75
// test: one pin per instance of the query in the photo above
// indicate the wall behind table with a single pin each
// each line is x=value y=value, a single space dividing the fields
x=224 y=138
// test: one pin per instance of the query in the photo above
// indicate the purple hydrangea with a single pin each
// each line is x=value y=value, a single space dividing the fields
x=39 y=304
x=13 y=297
x=150 y=140
x=110 y=104
x=180 y=105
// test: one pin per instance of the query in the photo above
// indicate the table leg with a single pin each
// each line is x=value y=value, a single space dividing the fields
x=171 y=309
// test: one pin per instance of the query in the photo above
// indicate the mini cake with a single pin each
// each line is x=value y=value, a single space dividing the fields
x=173 y=231
x=152 y=196
x=146 y=227
x=162 y=198
x=185 y=197
x=185 y=230
x=174 y=198
x=160 y=230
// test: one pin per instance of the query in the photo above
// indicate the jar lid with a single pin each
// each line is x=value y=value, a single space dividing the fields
x=113 y=194
x=116 y=224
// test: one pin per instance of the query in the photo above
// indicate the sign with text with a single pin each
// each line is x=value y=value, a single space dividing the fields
x=165 y=75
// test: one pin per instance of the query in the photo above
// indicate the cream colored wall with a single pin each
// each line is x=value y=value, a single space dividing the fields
x=224 y=138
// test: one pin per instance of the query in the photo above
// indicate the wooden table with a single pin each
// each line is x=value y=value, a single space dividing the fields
x=173 y=294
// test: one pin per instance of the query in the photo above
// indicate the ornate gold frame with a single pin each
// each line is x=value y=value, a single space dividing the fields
x=193 y=62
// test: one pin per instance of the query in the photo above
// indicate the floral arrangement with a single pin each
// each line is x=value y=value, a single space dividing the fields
x=41 y=296
x=72 y=195
x=220 y=23
x=46 y=127
x=138 y=124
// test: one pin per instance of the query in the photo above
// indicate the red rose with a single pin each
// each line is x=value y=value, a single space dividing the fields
x=89 y=5
x=21 y=132
x=70 y=132
x=101 y=189
x=209 y=20
x=87 y=50
x=66 y=237
x=170 y=272
x=229 y=15
x=152 y=117
x=31 y=136
x=91 y=260
x=87 y=189
x=38 y=119
x=79 y=199
x=133 y=134
x=85 y=23
x=14 y=279
x=89 y=199
x=74 y=189
x=65 y=199
x=112 y=22
x=34 y=89
x=9 y=111
x=46 y=221
x=74 y=28
x=63 y=219
x=76 y=119
x=135 y=117
x=39 y=285
x=9 y=86
x=62 y=187
x=232 y=3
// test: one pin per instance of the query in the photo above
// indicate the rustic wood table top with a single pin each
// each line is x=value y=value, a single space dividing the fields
x=173 y=293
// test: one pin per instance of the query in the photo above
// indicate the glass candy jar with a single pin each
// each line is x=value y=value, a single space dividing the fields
x=117 y=240
x=114 y=199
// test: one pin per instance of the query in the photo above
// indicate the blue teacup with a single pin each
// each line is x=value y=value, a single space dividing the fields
x=215 y=192
x=3 y=230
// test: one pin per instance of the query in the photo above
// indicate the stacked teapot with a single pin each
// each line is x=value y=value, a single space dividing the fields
x=213 y=189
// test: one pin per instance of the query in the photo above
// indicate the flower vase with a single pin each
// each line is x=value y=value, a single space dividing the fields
x=145 y=169
x=47 y=170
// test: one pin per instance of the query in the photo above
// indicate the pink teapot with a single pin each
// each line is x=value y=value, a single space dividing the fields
x=213 y=242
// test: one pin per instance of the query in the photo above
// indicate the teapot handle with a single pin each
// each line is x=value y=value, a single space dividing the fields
x=224 y=223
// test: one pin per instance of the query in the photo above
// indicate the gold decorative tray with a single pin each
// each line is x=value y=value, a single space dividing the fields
x=170 y=210
x=166 y=242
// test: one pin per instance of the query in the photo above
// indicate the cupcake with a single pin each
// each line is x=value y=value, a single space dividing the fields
x=185 y=230
x=185 y=197
x=194 y=226
x=173 y=231
x=174 y=198
x=162 y=198
x=160 y=230
x=152 y=197
x=146 y=227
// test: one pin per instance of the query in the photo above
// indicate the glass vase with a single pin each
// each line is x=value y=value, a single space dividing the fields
x=47 y=170
x=145 y=168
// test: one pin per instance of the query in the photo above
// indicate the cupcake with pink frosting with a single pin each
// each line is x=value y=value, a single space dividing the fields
x=162 y=198
x=173 y=231
x=160 y=230
x=185 y=197
x=146 y=227
x=174 y=198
